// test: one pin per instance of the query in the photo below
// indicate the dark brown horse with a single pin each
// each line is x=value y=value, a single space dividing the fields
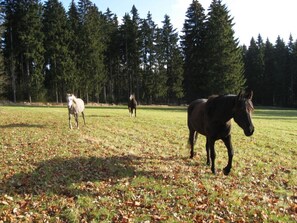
x=212 y=118
x=132 y=104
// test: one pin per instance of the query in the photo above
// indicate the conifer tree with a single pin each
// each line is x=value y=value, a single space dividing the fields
x=9 y=40
x=59 y=63
x=148 y=60
x=171 y=59
x=112 y=55
x=135 y=46
x=254 y=67
x=268 y=79
x=280 y=73
x=192 y=42
x=223 y=58
x=29 y=43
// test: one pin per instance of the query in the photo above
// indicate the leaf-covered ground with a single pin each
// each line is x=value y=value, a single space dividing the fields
x=122 y=169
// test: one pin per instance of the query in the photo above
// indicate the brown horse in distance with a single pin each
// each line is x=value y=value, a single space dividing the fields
x=132 y=104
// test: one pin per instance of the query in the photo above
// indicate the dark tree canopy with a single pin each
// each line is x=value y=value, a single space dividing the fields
x=48 y=51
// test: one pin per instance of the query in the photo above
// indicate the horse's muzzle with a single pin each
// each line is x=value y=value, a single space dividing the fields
x=250 y=131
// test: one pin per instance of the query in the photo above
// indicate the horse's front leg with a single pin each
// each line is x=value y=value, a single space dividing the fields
x=211 y=143
x=228 y=144
x=69 y=118
x=76 y=120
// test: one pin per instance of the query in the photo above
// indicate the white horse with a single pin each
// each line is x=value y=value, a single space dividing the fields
x=75 y=106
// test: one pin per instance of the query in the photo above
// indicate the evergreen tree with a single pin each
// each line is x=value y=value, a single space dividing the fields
x=254 y=68
x=268 y=80
x=9 y=40
x=148 y=60
x=223 y=59
x=74 y=29
x=291 y=72
x=160 y=72
x=94 y=75
x=3 y=76
x=280 y=73
x=112 y=55
x=58 y=61
x=192 y=43
x=135 y=48
x=293 y=87
x=172 y=60
x=30 y=48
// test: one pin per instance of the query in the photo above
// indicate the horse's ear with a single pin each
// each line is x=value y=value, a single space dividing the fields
x=246 y=94
x=249 y=94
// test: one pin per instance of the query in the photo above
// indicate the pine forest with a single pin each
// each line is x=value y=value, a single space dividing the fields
x=48 y=51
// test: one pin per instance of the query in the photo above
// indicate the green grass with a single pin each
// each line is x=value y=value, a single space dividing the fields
x=122 y=169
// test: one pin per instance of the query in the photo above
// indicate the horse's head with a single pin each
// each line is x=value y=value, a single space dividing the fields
x=132 y=96
x=242 y=112
x=70 y=98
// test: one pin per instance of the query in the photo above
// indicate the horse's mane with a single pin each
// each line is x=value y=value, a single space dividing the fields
x=215 y=103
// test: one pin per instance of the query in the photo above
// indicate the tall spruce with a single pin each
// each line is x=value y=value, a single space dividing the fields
x=9 y=40
x=223 y=57
x=74 y=28
x=292 y=47
x=254 y=68
x=27 y=41
x=268 y=80
x=3 y=73
x=148 y=57
x=171 y=56
x=192 y=42
x=111 y=56
x=135 y=48
x=280 y=73
x=58 y=61
x=93 y=53
x=91 y=67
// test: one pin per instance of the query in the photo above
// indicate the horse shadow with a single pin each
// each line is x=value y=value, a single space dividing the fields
x=21 y=125
x=59 y=175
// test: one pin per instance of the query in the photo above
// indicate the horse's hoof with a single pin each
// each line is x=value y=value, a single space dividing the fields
x=214 y=171
x=226 y=171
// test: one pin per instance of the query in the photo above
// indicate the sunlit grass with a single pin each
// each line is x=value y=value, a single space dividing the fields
x=121 y=169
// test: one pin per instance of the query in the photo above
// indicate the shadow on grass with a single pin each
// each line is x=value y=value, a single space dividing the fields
x=21 y=125
x=58 y=175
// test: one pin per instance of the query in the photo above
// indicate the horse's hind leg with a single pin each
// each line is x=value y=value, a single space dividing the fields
x=69 y=118
x=135 y=111
x=83 y=115
x=207 y=152
x=76 y=120
x=191 y=141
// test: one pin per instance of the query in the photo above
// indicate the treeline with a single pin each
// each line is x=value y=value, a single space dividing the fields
x=48 y=51
x=271 y=71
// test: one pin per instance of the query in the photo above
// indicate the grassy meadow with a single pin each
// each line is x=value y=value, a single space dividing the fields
x=122 y=169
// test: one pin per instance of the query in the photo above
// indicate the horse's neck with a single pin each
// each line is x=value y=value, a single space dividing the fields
x=226 y=110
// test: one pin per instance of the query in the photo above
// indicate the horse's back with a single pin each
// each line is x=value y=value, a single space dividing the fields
x=196 y=115
x=80 y=105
